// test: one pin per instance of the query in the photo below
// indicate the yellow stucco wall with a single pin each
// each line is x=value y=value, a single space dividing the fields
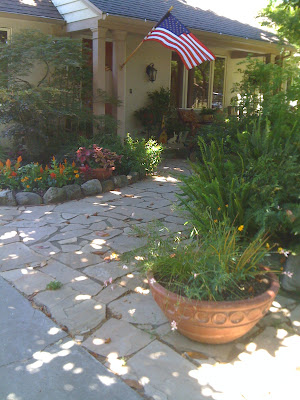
x=136 y=78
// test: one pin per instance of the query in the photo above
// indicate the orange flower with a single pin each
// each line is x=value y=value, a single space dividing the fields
x=53 y=158
x=41 y=170
x=215 y=220
x=19 y=159
x=61 y=170
x=77 y=176
x=8 y=163
x=28 y=186
x=1 y=164
x=14 y=173
x=46 y=168
x=65 y=161
x=73 y=164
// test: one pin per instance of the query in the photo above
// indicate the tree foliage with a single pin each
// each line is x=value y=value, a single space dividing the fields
x=284 y=16
x=45 y=85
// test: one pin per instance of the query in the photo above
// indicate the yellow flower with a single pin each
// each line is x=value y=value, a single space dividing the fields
x=219 y=208
x=75 y=171
x=226 y=205
x=35 y=179
x=77 y=176
x=215 y=220
x=240 y=228
x=267 y=245
x=280 y=249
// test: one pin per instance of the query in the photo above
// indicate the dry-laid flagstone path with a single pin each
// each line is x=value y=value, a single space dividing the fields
x=106 y=306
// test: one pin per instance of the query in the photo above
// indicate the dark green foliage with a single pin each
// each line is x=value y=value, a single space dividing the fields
x=159 y=105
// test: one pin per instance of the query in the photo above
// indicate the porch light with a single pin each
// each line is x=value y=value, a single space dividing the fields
x=151 y=72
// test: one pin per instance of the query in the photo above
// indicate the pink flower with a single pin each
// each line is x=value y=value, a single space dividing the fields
x=173 y=325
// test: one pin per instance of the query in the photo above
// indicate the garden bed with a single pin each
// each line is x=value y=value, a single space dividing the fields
x=69 y=192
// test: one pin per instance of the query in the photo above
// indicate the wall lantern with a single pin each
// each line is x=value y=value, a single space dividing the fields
x=151 y=72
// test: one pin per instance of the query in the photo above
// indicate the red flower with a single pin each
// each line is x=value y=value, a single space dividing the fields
x=14 y=173
x=52 y=175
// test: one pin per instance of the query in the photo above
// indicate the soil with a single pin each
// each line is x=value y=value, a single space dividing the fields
x=244 y=290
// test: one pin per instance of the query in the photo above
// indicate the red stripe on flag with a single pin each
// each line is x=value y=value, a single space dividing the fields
x=174 y=39
x=202 y=45
x=172 y=48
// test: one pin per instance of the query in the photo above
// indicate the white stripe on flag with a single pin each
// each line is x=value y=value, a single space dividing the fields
x=186 y=45
x=166 y=41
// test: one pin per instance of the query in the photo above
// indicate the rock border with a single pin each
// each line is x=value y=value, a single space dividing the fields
x=56 y=195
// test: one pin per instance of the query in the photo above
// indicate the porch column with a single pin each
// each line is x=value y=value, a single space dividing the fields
x=119 y=55
x=99 y=35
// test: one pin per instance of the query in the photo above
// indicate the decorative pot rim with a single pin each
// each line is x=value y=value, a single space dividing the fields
x=267 y=295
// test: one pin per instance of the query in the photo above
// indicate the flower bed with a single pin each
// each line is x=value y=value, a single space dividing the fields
x=35 y=184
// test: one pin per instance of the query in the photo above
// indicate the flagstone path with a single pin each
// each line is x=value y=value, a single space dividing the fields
x=106 y=306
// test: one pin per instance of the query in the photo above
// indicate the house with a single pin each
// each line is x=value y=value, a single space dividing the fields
x=114 y=28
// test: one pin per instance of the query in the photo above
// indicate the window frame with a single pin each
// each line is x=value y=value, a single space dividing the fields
x=8 y=30
x=210 y=84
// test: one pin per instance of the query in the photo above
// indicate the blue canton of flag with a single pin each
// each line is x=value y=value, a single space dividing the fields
x=172 y=34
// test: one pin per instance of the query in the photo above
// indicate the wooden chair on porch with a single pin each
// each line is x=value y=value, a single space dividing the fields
x=190 y=119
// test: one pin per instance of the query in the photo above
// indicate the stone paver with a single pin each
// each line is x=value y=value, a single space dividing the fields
x=16 y=255
x=164 y=374
x=27 y=280
x=78 y=259
x=73 y=309
x=106 y=270
x=138 y=309
x=79 y=243
x=117 y=337
x=110 y=293
x=8 y=235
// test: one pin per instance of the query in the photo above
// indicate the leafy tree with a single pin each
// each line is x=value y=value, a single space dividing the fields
x=284 y=16
x=45 y=85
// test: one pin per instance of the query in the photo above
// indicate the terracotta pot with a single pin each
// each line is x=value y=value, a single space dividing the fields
x=97 y=173
x=213 y=321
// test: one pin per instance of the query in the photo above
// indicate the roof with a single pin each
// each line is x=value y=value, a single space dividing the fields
x=36 y=8
x=190 y=16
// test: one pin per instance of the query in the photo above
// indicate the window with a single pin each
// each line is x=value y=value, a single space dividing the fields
x=5 y=34
x=202 y=86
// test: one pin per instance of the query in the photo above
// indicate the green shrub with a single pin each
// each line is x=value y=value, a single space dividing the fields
x=140 y=156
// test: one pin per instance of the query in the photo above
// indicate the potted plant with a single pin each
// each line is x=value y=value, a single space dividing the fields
x=207 y=114
x=97 y=162
x=213 y=289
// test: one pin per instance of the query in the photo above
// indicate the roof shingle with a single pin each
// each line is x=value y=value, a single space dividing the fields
x=192 y=17
x=36 y=8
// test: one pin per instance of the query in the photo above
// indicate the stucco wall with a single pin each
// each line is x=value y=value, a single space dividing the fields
x=136 y=78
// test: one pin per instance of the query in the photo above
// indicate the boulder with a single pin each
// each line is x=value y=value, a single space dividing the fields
x=7 y=198
x=133 y=177
x=91 y=187
x=55 y=195
x=290 y=278
x=120 y=181
x=28 y=198
x=73 y=192
x=107 y=186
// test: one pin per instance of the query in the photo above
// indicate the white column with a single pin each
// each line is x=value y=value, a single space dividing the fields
x=99 y=35
x=119 y=75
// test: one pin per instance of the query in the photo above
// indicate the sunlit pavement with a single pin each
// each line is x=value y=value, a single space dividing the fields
x=101 y=335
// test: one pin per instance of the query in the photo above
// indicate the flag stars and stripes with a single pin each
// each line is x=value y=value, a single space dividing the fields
x=171 y=33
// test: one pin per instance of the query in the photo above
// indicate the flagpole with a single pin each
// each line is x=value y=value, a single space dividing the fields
x=134 y=51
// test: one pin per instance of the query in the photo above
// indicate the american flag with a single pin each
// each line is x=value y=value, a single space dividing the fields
x=172 y=34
